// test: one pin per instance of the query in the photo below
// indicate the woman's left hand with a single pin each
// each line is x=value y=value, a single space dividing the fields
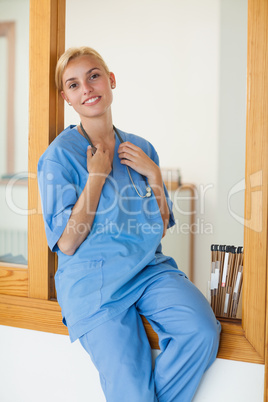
x=134 y=157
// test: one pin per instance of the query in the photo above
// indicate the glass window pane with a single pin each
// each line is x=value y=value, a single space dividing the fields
x=14 y=95
x=3 y=108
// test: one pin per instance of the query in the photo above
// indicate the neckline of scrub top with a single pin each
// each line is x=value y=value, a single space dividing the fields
x=116 y=165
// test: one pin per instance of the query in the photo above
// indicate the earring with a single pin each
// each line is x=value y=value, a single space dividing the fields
x=113 y=86
x=69 y=103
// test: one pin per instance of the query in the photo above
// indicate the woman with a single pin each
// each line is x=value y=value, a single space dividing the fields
x=106 y=209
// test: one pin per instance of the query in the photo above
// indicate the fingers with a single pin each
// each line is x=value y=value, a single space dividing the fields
x=128 y=147
x=98 y=162
x=89 y=152
x=130 y=151
x=134 y=157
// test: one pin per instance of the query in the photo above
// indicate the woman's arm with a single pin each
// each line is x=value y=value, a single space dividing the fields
x=83 y=212
x=134 y=157
x=156 y=184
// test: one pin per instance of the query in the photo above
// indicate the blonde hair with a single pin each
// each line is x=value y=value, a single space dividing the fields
x=71 y=54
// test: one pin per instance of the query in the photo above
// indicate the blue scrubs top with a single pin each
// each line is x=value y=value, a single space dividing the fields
x=122 y=252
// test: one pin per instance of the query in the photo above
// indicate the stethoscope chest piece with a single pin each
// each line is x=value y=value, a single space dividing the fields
x=149 y=191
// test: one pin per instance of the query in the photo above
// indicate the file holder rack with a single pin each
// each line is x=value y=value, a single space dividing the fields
x=226 y=279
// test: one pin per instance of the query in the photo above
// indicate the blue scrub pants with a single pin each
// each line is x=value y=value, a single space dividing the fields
x=188 y=338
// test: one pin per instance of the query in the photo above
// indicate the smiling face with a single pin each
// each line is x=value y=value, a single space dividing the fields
x=88 y=87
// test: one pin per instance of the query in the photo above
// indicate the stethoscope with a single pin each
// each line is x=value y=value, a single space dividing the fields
x=94 y=149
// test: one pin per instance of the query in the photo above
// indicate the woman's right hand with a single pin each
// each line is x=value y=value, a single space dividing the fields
x=83 y=212
x=100 y=162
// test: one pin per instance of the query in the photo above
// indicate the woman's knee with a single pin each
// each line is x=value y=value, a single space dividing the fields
x=209 y=338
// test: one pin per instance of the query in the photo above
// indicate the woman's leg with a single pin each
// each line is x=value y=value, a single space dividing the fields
x=188 y=335
x=120 y=350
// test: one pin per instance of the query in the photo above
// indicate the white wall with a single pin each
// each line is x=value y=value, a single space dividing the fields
x=40 y=367
x=232 y=117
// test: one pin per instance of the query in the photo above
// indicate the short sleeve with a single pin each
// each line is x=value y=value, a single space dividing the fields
x=58 y=196
x=171 y=222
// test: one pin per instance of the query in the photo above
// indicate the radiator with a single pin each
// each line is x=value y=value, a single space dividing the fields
x=13 y=244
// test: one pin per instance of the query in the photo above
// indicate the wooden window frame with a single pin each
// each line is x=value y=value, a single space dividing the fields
x=27 y=296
